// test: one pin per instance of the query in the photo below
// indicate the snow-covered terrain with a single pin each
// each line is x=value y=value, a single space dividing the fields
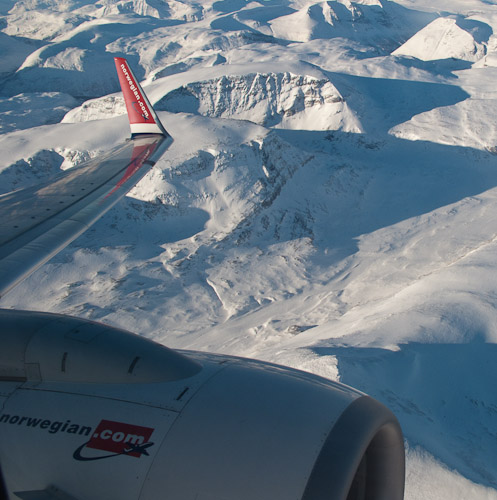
x=329 y=202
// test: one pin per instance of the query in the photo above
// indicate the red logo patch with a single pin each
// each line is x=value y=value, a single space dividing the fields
x=120 y=438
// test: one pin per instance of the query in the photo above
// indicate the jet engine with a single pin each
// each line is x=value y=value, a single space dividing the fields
x=90 y=412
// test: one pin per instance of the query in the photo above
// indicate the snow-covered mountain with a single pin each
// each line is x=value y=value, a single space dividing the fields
x=449 y=37
x=329 y=201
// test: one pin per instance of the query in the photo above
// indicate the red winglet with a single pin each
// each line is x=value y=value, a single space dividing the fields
x=142 y=117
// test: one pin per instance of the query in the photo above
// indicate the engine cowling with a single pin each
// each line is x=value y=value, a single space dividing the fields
x=91 y=412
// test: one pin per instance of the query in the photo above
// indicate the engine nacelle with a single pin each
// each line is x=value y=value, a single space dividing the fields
x=89 y=411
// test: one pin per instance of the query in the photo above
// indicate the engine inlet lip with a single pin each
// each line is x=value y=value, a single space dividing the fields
x=366 y=440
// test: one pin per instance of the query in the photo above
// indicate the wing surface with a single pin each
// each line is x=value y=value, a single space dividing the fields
x=37 y=222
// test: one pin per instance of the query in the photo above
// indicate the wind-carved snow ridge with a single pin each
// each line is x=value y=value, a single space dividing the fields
x=187 y=11
x=282 y=100
x=246 y=180
x=381 y=24
x=96 y=109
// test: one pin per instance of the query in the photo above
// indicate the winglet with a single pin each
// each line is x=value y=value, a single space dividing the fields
x=141 y=114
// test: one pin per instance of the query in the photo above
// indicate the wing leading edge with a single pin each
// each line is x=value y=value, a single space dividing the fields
x=39 y=221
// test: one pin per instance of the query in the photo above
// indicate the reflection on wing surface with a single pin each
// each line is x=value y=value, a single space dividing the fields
x=36 y=222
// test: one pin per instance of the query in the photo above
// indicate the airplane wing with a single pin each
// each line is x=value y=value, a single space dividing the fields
x=37 y=222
